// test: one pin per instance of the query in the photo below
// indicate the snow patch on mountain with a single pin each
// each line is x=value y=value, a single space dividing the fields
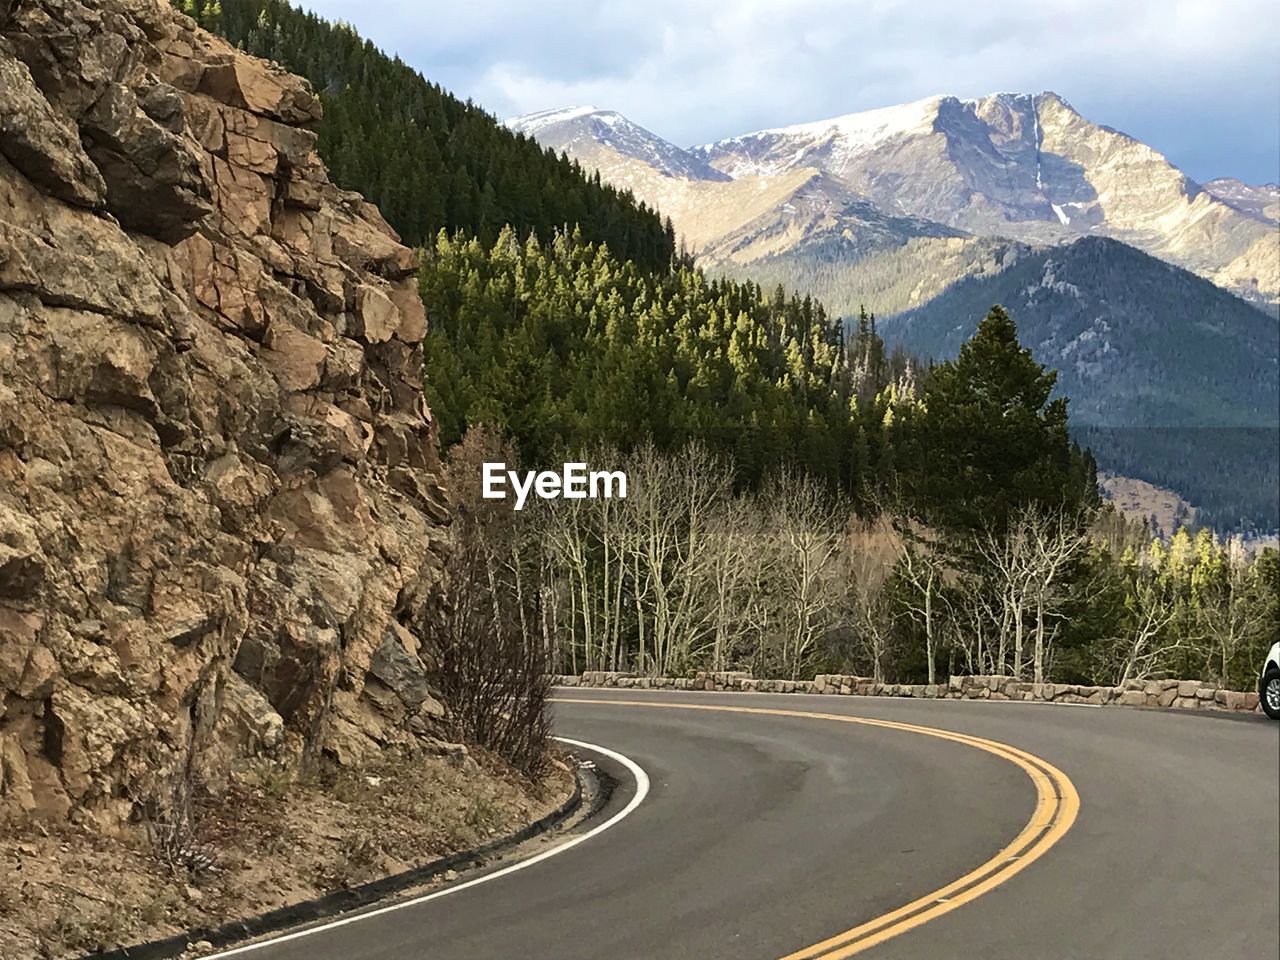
x=868 y=128
x=582 y=131
x=839 y=139
x=531 y=123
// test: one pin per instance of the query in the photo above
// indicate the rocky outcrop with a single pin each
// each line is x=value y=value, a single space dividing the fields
x=220 y=518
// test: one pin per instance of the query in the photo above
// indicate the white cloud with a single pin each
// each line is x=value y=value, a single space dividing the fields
x=1197 y=79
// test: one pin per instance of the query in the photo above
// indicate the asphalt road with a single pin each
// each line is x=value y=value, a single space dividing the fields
x=763 y=834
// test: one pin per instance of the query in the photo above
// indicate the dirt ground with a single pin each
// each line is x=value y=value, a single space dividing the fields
x=275 y=838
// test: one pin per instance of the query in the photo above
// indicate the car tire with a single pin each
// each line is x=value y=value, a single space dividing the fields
x=1269 y=693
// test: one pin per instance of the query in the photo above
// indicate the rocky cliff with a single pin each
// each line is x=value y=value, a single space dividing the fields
x=220 y=517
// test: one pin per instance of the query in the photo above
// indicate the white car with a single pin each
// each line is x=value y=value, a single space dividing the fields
x=1269 y=685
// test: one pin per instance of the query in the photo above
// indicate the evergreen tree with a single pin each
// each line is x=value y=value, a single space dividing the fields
x=565 y=345
x=428 y=160
x=986 y=439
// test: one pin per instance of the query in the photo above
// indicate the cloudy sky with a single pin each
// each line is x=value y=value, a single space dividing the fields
x=1198 y=79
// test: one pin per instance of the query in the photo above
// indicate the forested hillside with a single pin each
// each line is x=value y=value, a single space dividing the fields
x=427 y=159
x=983 y=550
x=889 y=281
x=1172 y=379
x=563 y=345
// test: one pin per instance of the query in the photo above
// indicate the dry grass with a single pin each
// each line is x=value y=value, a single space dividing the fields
x=277 y=837
x=1140 y=500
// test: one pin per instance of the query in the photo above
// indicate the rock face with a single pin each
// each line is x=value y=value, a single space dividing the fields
x=220 y=518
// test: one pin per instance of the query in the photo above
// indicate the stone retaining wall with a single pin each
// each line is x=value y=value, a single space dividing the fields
x=1180 y=694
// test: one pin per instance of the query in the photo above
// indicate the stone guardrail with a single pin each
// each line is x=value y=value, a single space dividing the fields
x=1176 y=694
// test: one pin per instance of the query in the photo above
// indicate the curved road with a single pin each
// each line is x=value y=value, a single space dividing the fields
x=763 y=835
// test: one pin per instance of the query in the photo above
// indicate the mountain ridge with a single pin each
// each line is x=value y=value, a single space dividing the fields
x=806 y=209
x=1017 y=166
x=1028 y=167
x=585 y=125
x=1172 y=380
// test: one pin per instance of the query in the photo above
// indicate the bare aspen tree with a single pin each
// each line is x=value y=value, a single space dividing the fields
x=1149 y=641
x=807 y=567
x=733 y=534
x=567 y=537
x=1010 y=561
x=923 y=567
x=1053 y=539
x=761 y=603
x=872 y=548
x=672 y=511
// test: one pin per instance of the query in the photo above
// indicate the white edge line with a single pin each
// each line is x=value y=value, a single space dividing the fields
x=642 y=790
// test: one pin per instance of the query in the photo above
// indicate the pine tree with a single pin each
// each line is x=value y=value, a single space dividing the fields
x=986 y=437
x=428 y=160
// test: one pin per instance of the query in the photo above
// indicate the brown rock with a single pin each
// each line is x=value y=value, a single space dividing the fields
x=248 y=718
x=219 y=521
x=15 y=782
x=154 y=182
x=261 y=88
x=243 y=197
x=40 y=143
x=1241 y=701
x=295 y=358
x=413 y=316
x=377 y=318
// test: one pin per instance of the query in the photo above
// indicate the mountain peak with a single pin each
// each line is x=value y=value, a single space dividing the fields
x=528 y=123
x=866 y=126
x=1016 y=96
x=591 y=135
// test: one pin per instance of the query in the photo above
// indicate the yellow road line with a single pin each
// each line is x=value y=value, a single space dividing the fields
x=1057 y=805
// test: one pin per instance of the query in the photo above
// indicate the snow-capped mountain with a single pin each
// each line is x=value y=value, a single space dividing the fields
x=592 y=136
x=833 y=145
x=1026 y=166
x=929 y=212
x=728 y=219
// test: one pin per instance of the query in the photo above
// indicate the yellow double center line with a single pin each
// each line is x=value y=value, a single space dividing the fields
x=1057 y=804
